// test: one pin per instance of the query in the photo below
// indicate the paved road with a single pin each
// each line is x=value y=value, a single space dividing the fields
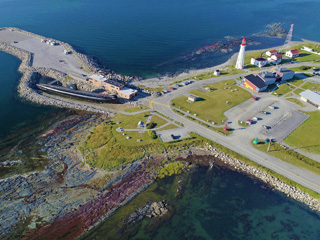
x=239 y=141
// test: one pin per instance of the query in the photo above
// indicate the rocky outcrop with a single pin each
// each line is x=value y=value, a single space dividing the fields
x=274 y=30
x=150 y=210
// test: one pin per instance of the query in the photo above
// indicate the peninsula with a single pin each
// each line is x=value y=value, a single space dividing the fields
x=102 y=158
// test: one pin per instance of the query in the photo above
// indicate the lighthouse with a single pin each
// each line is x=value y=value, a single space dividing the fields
x=240 y=60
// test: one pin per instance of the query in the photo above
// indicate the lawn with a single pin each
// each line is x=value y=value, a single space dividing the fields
x=306 y=56
x=159 y=89
x=158 y=121
x=301 y=69
x=296 y=81
x=283 y=89
x=290 y=156
x=170 y=126
x=213 y=104
x=296 y=101
x=306 y=136
x=312 y=86
x=131 y=121
x=298 y=91
x=136 y=109
x=255 y=54
x=228 y=70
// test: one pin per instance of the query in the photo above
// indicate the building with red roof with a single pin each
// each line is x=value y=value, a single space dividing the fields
x=292 y=53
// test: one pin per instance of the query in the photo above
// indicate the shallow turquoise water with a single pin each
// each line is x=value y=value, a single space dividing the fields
x=223 y=204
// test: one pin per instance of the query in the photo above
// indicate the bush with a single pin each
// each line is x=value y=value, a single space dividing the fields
x=170 y=169
x=152 y=134
x=151 y=125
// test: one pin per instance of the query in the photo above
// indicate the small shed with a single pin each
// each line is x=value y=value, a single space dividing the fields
x=192 y=98
x=216 y=72
x=140 y=124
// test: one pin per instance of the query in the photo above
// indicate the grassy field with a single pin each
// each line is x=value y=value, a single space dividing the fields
x=159 y=89
x=296 y=81
x=312 y=86
x=170 y=126
x=290 y=156
x=298 y=91
x=301 y=69
x=136 y=109
x=159 y=121
x=255 y=54
x=296 y=101
x=283 y=89
x=289 y=95
x=306 y=136
x=134 y=120
x=213 y=104
x=306 y=56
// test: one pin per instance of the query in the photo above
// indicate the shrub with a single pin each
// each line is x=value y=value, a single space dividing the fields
x=152 y=134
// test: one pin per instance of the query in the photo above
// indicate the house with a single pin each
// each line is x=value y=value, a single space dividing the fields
x=255 y=83
x=216 y=72
x=259 y=62
x=268 y=77
x=285 y=74
x=192 y=98
x=271 y=52
x=292 y=53
x=127 y=93
x=96 y=80
x=112 y=86
x=275 y=59
x=311 y=97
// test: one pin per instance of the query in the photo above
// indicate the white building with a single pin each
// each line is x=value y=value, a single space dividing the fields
x=292 y=53
x=271 y=52
x=311 y=97
x=216 y=72
x=259 y=62
x=275 y=59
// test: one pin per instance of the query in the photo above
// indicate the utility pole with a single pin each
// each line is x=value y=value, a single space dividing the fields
x=269 y=144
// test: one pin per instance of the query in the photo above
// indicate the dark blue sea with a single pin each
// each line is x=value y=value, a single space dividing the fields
x=143 y=37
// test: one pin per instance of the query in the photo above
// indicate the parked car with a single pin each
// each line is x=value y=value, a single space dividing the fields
x=255 y=98
x=265 y=127
x=266 y=113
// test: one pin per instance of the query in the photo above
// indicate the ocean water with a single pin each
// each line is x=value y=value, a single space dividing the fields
x=216 y=204
x=136 y=37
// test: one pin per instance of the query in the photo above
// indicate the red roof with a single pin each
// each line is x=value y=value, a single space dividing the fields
x=294 y=51
x=273 y=51
x=278 y=55
x=217 y=70
x=244 y=42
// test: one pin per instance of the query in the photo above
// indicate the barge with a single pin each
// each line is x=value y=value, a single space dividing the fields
x=98 y=97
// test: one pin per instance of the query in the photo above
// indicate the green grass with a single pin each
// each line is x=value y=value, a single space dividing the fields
x=290 y=156
x=213 y=104
x=136 y=109
x=172 y=168
x=306 y=56
x=296 y=101
x=131 y=121
x=312 y=86
x=170 y=126
x=306 y=136
x=283 y=89
x=159 y=89
x=301 y=69
x=159 y=121
x=298 y=91
x=296 y=81
x=289 y=95
x=255 y=54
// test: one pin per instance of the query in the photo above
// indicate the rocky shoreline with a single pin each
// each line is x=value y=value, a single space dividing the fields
x=272 y=181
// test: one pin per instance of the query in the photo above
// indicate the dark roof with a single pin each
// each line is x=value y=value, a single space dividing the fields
x=260 y=59
x=267 y=75
x=284 y=70
x=257 y=81
x=113 y=83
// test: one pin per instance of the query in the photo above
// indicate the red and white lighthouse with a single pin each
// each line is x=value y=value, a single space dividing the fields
x=240 y=60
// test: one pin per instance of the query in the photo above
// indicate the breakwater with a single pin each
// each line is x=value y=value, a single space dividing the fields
x=31 y=74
